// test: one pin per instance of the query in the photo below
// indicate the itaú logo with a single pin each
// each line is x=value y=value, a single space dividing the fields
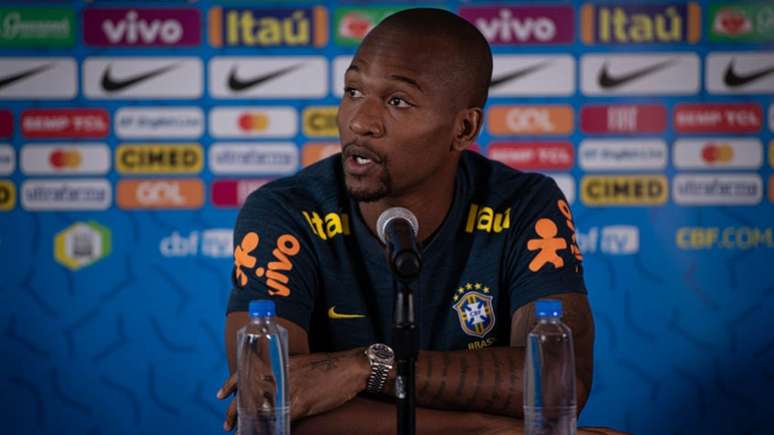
x=717 y=153
x=253 y=122
x=65 y=159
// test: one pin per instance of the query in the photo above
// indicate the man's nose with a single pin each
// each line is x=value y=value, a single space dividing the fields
x=366 y=119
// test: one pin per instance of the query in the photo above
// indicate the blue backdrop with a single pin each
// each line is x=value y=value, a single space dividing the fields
x=113 y=295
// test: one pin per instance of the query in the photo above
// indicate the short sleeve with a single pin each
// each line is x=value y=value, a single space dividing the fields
x=543 y=257
x=273 y=260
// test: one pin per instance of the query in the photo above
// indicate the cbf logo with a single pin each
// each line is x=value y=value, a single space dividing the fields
x=474 y=309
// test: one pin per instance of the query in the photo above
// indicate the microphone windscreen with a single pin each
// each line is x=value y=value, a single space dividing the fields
x=395 y=213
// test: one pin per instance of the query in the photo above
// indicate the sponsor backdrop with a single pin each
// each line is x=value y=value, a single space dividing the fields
x=129 y=136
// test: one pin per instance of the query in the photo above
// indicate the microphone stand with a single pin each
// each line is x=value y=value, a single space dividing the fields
x=406 y=346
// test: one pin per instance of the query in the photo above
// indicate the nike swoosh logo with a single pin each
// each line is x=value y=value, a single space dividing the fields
x=608 y=81
x=732 y=79
x=236 y=84
x=110 y=84
x=499 y=80
x=5 y=81
x=332 y=314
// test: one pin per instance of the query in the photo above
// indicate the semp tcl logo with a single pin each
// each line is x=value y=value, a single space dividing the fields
x=215 y=242
x=141 y=27
x=65 y=123
x=160 y=194
x=717 y=118
x=533 y=155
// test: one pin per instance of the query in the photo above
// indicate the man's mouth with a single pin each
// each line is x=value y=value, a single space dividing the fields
x=359 y=160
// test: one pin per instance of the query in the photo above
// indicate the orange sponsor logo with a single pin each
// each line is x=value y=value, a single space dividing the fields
x=548 y=243
x=530 y=120
x=275 y=272
x=314 y=152
x=160 y=193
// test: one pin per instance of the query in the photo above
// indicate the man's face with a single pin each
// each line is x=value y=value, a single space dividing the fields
x=396 y=117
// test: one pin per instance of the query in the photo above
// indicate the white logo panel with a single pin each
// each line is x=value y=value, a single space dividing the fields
x=40 y=78
x=640 y=74
x=143 y=77
x=566 y=184
x=720 y=153
x=253 y=122
x=268 y=77
x=153 y=123
x=65 y=159
x=740 y=73
x=55 y=195
x=710 y=189
x=340 y=65
x=253 y=158
x=521 y=75
x=622 y=154
x=7 y=159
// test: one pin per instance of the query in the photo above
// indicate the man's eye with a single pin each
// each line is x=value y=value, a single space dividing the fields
x=398 y=102
x=352 y=92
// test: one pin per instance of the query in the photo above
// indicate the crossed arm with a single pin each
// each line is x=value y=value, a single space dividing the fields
x=476 y=391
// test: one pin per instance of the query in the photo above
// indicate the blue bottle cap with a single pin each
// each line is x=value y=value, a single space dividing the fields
x=548 y=308
x=262 y=308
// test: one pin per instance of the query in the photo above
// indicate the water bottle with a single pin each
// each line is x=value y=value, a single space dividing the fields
x=550 y=405
x=262 y=367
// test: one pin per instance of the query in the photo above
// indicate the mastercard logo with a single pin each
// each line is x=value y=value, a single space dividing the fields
x=253 y=122
x=717 y=153
x=65 y=159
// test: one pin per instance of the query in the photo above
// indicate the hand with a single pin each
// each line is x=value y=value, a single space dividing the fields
x=229 y=387
x=321 y=382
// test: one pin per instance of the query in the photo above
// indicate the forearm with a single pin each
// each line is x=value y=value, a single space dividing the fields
x=488 y=380
x=362 y=415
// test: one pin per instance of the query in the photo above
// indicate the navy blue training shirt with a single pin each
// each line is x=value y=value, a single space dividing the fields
x=507 y=240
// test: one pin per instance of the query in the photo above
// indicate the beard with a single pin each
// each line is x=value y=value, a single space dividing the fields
x=361 y=193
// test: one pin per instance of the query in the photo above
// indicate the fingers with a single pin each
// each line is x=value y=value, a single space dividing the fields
x=231 y=415
x=228 y=387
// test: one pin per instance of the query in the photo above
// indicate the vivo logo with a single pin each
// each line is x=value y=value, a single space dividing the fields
x=613 y=240
x=523 y=24
x=141 y=27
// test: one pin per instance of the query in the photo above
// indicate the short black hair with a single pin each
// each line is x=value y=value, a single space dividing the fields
x=472 y=59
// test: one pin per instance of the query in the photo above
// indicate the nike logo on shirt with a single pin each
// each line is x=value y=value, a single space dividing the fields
x=110 y=84
x=236 y=84
x=733 y=79
x=8 y=80
x=332 y=314
x=499 y=80
x=606 y=80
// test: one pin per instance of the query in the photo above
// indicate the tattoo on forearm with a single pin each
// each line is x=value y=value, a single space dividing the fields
x=426 y=382
x=463 y=379
x=444 y=372
x=479 y=374
x=327 y=364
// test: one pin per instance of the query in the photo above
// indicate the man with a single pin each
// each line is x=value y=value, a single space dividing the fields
x=493 y=241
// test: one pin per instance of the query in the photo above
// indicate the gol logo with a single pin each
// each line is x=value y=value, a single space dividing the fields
x=7 y=195
x=713 y=153
x=253 y=122
x=159 y=158
x=155 y=194
x=314 y=152
x=320 y=121
x=65 y=159
x=530 y=120
x=624 y=190
x=275 y=272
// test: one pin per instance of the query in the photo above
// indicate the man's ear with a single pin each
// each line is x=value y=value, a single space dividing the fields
x=467 y=124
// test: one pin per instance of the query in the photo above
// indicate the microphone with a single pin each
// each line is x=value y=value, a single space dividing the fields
x=397 y=228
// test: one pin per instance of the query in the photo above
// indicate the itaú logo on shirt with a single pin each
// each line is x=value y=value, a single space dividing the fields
x=482 y=218
x=329 y=226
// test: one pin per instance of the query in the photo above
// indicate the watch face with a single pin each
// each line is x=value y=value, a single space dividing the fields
x=381 y=351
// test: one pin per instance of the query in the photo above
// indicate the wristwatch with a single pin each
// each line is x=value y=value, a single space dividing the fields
x=381 y=358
